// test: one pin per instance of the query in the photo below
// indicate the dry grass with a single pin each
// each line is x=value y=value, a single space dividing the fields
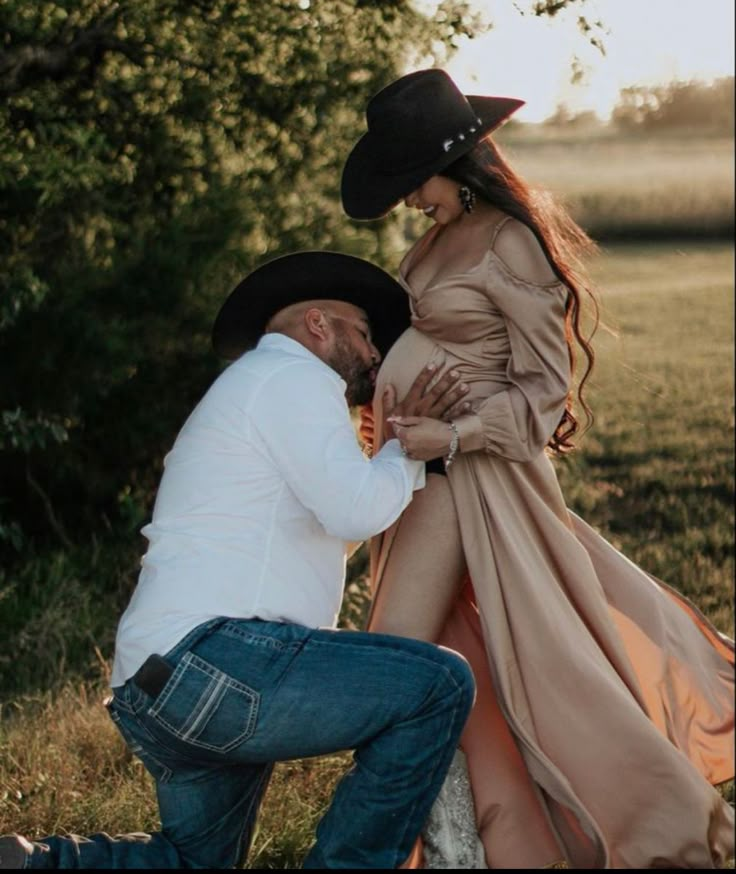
x=64 y=768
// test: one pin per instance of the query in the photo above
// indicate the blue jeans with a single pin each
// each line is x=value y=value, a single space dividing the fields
x=248 y=693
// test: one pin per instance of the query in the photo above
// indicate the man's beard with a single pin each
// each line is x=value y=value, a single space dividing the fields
x=351 y=368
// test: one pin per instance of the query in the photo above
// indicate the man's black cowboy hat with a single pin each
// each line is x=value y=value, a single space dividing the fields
x=417 y=126
x=304 y=276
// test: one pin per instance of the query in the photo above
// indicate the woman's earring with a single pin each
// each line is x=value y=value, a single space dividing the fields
x=467 y=198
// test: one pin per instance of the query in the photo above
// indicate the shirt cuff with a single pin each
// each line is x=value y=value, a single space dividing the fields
x=414 y=469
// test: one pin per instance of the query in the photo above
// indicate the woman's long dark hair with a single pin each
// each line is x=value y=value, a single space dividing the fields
x=564 y=242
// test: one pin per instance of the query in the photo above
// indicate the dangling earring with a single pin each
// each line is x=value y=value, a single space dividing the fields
x=467 y=198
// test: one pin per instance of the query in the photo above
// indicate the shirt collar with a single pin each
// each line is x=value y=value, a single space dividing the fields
x=282 y=343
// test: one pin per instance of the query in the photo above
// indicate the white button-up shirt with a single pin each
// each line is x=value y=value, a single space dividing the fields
x=261 y=491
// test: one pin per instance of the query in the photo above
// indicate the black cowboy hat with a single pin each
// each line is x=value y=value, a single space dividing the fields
x=304 y=276
x=417 y=126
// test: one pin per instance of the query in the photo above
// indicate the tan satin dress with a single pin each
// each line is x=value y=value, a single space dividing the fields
x=605 y=705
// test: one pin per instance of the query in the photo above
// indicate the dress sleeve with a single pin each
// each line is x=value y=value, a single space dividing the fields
x=518 y=422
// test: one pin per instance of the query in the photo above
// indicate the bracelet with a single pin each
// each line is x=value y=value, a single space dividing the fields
x=454 y=443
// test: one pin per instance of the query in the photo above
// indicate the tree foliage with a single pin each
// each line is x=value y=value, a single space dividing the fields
x=150 y=153
x=700 y=106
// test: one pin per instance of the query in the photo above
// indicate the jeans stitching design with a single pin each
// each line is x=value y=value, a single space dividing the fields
x=220 y=683
x=255 y=639
x=165 y=773
x=135 y=747
x=212 y=695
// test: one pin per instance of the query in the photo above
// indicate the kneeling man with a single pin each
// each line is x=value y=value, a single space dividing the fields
x=227 y=658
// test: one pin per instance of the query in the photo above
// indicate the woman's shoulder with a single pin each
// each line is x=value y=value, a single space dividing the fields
x=519 y=251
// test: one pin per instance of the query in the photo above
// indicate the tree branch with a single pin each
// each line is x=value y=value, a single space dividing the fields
x=23 y=65
x=50 y=515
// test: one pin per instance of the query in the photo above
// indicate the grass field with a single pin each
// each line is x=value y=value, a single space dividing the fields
x=656 y=471
x=655 y=475
x=629 y=187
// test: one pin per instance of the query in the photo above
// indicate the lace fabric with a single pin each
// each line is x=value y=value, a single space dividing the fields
x=450 y=836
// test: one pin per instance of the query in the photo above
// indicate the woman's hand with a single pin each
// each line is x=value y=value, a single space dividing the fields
x=423 y=439
x=443 y=401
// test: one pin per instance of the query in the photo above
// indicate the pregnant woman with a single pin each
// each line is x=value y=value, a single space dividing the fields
x=605 y=699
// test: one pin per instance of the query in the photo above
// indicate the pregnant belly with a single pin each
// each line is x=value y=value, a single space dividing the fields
x=404 y=361
x=413 y=350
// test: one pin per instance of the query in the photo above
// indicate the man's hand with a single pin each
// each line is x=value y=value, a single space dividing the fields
x=442 y=401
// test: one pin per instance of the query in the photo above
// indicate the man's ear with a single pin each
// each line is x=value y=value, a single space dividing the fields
x=317 y=323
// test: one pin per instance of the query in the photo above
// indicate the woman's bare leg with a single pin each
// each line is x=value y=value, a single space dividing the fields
x=422 y=577
x=421 y=582
x=425 y=569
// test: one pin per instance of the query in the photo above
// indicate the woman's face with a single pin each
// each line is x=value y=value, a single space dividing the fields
x=438 y=199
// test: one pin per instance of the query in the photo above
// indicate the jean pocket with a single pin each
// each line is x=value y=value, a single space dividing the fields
x=205 y=707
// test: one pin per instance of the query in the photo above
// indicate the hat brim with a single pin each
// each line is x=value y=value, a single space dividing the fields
x=309 y=275
x=369 y=192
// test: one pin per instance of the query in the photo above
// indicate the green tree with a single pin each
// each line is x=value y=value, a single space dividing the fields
x=150 y=152
x=698 y=106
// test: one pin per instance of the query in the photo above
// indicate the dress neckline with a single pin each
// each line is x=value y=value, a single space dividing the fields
x=408 y=262
x=423 y=246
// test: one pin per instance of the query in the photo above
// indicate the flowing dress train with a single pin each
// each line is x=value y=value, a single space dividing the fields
x=605 y=710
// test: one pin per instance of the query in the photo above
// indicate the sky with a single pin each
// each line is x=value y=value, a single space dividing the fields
x=647 y=42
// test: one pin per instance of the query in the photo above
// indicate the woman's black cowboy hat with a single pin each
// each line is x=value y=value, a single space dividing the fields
x=304 y=276
x=417 y=126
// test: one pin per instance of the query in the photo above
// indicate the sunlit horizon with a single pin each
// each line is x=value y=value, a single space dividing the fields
x=650 y=43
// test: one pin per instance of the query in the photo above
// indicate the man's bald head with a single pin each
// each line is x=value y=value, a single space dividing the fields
x=339 y=334
x=293 y=319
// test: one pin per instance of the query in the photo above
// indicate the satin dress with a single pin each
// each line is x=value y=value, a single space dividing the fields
x=605 y=708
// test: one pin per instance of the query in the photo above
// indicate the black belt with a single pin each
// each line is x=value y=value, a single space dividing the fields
x=436 y=465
